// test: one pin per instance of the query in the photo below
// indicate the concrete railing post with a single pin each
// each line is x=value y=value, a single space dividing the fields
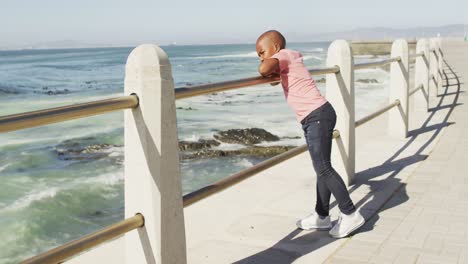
x=421 y=97
x=340 y=93
x=399 y=84
x=152 y=176
x=434 y=68
x=440 y=56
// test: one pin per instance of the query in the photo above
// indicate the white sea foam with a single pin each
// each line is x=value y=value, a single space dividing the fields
x=3 y=167
x=315 y=50
x=240 y=55
x=244 y=163
x=227 y=146
x=309 y=57
x=112 y=178
x=193 y=137
x=31 y=197
x=114 y=151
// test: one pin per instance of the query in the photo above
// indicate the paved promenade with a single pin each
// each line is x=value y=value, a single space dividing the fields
x=426 y=220
x=411 y=192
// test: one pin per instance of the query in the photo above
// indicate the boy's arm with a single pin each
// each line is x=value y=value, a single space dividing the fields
x=269 y=67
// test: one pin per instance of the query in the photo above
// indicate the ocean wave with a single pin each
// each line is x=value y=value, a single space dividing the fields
x=314 y=50
x=31 y=197
x=228 y=146
x=193 y=137
x=111 y=178
x=309 y=57
x=244 y=163
x=3 y=167
x=240 y=55
x=108 y=179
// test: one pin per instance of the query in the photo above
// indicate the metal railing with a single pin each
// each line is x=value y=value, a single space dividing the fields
x=191 y=91
x=67 y=250
x=376 y=113
x=64 y=113
x=416 y=89
x=366 y=65
x=59 y=114
x=231 y=180
x=421 y=54
x=227 y=182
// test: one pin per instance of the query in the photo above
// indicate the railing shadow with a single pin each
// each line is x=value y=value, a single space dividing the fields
x=294 y=245
x=394 y=166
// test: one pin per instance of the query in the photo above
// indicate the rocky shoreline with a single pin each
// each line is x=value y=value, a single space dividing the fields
x=86 y=149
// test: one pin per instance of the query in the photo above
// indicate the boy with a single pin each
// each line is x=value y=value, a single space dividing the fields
x=318 y=119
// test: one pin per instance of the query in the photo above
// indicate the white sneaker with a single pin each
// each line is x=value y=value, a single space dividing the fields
x=313 y=221
x=347 y=224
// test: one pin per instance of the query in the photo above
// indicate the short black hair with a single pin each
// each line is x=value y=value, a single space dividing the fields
x=274 y=34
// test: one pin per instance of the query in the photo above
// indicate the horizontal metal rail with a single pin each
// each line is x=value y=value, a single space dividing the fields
x=415 y=90
x=64 y=113
x=421 y=54
x=67 y=250
x=373 y=64
x=225 y=183
x=376 y=114
x=191 y=91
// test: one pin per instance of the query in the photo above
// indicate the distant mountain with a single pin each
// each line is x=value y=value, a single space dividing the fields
x=384 y=33
x=59 y=44
x=374 y=33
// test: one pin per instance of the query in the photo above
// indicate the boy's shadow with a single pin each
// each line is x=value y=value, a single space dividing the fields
x=294 y=245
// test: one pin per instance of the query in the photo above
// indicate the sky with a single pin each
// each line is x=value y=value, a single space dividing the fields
x=119 y=22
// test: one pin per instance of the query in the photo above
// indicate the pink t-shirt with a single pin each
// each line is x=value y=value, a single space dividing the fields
x=299 y=87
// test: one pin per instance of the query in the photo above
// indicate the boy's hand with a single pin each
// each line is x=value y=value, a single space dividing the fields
x=273 y=75
x=268 y=67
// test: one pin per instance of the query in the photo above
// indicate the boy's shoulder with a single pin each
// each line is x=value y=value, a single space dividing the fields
x=291 y=53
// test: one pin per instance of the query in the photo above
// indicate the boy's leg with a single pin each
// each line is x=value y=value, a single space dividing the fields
x=319 y=138
x=322 y=206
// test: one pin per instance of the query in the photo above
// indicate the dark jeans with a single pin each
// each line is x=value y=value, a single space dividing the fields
x=318 y=130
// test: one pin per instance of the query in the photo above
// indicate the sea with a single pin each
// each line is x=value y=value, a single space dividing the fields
x=51 y=193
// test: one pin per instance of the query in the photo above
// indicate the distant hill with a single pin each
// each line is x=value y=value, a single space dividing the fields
x=374 y=33
x=384 y=33
x=59 y=44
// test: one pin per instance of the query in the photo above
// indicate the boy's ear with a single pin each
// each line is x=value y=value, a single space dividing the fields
x=277 y=47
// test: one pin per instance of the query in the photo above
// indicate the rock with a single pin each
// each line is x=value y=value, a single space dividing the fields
x=188 y=108
x=248 y=136
x=367 y=81
x=321 y=80
x=197 y=145
x=8 y=91
x=70 y=150
x=255 y=151
x=46 y=90
x=296 y=137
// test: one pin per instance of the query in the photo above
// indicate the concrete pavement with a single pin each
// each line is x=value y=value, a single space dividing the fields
x=426 y=220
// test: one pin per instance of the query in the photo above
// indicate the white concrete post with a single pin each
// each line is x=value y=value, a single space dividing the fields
x=399 y=84
x=421 y=97
x=152 y=176
x=340 y=93
x=440 y=56
x=434 y=67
